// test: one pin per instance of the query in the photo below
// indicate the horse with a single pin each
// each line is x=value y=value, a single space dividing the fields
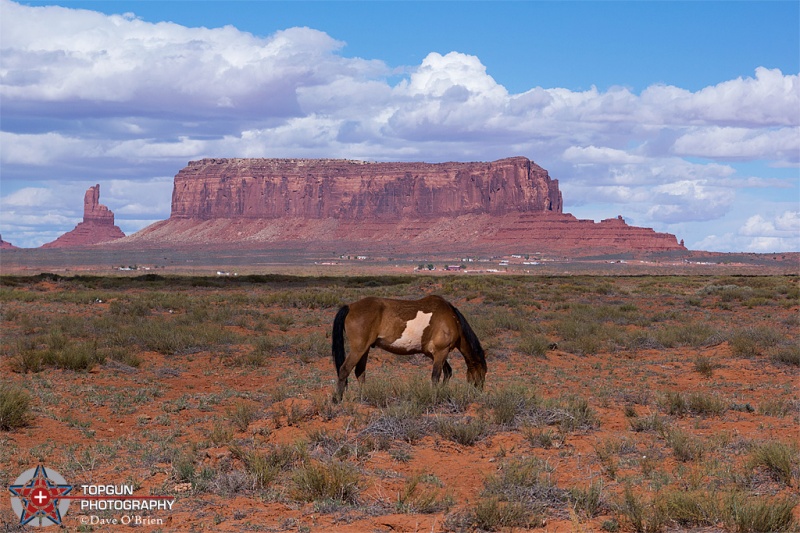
x=431 y=326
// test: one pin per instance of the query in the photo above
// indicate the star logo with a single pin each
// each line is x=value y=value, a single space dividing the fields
x=37 y=493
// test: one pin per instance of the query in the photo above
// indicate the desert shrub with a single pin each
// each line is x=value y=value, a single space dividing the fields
x=266 y=466
x=700 y=403
x=761 y=514
x=419 y=496
x=780 y=460
x=684 y=447
x=585 y=335
x=690 y=508
x=400 y=421
x=643 y=515
x=652 y=423
x=775 y=407
x=694 y=334
x=589 y=500
x=15 y=406
x=533 y=344
x=541 y=437
x=335 y=481
x=79 y=356
x=510 y=404
x=704 y=366
x=466 y=432
x=753 y=341
x=674 y=403
x=29 y=357
x=123 y=355
x=233 y=482
x=419 y=392
x=128 y=308
x=786 y=355
x=242 y=414
x=526 y=482
x=170 y=337
x=580 y=415
x=492 y=514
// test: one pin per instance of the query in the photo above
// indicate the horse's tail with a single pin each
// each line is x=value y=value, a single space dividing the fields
x=337 y=337
x=477 y=355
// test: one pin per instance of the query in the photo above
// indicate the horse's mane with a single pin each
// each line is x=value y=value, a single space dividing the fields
x=472 y=339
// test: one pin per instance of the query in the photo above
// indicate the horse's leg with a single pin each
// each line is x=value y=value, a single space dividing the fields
x=358 y=352
x=361 y=367
x=439 y=360
x=448 y=372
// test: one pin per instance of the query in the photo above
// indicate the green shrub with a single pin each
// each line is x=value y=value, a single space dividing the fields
x=418 y=496
x=753 y=341
x=643 y=515
x=242 y=414
x=589 y=500
x=15 y=405
x=326 y=481
x=510 y=403
x=786 y=355
x=761 y=515
x=466 y=432
x=684 y=447
x=491 y=514
x=700 y=403
x=533 y=344
x=779 y=459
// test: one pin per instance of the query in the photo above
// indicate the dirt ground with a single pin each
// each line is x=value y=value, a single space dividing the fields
x=619 y=390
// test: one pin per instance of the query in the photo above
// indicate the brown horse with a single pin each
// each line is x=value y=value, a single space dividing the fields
x=431 y=326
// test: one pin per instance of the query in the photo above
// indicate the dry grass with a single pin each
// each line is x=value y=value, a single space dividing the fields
x=636 y=421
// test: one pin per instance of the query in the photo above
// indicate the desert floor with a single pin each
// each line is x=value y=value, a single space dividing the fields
x=612 y=403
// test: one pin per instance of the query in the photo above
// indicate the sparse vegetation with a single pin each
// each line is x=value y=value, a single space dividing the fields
x=610 y=402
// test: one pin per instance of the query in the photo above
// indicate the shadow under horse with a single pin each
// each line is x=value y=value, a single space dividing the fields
x=431 y=326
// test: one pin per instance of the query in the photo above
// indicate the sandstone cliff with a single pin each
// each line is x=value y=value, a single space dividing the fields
x=97 y=226
x=353 y=190
x=510 y=205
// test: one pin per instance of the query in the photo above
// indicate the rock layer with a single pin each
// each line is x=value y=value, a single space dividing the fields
x=97 y=226
x=354 y=190
x=511 y=205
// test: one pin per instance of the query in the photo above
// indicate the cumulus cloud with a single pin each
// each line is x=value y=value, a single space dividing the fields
x=740 y=143
x=91 y=96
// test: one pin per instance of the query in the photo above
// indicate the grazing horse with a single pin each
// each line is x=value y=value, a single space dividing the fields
x=431 y=326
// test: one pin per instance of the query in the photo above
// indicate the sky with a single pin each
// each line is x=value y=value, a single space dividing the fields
x=682 y=116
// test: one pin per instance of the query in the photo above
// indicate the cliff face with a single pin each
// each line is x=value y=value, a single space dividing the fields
x=352 y=190
x=508 y=206
x=97 y=226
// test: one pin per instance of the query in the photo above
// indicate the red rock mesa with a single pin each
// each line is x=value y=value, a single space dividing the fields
x=97 y=226
x=510 y=205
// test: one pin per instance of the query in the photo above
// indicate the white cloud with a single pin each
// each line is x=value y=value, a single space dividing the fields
x=594 y=154
x=119 y=98
x=761 y=234
x=740 y=143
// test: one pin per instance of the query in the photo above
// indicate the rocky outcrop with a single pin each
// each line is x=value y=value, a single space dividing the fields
x=97 y=226
x=355 y=190
x=511 y=206
x=5 y=245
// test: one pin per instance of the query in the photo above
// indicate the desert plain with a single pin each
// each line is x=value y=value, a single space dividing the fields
x=615 y=400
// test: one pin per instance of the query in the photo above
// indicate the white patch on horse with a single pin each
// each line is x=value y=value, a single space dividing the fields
x=411 y=339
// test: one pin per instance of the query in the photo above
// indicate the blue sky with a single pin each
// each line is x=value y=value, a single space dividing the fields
x=681 y=116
